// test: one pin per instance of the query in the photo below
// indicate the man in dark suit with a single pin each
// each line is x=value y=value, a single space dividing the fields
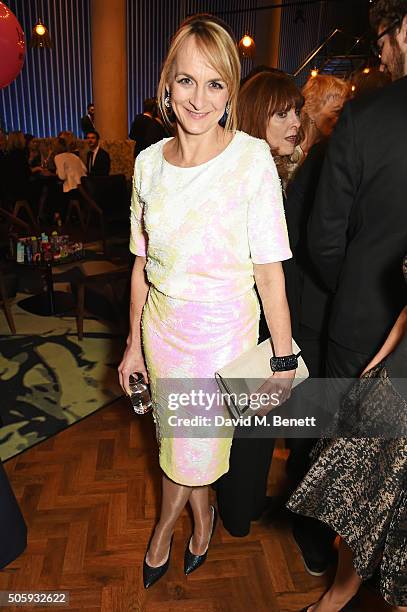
x=98 y=160
x=357 y=231
x=146 y=128
x=357 y=238
x=88 y=120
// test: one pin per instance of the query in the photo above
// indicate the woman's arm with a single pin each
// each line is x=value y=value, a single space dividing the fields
x=133 y=360
x=60 y=168
x=271 y=287
x=397 y=333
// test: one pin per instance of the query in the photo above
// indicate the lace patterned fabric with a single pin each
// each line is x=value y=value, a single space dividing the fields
x=358 y=486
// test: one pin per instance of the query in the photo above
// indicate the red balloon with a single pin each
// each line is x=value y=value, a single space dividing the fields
x=12 y=46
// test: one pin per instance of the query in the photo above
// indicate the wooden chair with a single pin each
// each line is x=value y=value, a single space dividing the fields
x=16 y=223
x=75 y=205
x=94 y=272
x=12 y=227
x=6 y=304
x=87 y=273
x=86 y=208
x=23 y=206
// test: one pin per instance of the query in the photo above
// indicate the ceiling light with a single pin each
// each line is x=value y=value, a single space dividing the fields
x=40 y=37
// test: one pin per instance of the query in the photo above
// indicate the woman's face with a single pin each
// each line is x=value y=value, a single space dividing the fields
x=282 y=131
x=328 y=116
x=198 y=93
x=44 y=148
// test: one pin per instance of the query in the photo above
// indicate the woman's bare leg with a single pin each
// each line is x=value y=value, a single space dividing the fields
x=174 y=498
x=199 y=501
x=345 y=585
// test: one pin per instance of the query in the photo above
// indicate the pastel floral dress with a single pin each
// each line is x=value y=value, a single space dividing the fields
x=201 y=229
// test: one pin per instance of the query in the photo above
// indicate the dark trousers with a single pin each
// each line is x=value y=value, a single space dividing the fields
x=345 y=363
x=313 y=344
x=241 y=493
x=13 y=530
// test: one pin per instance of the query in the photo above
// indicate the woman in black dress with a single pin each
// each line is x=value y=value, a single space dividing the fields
x=358 y=484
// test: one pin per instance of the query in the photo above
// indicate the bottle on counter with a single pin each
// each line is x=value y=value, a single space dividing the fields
x=54 y=240
x=46 y=250
x=34 y=245
x=57 y=222
x=13 y=244
x=20 y=252
x=28 y=252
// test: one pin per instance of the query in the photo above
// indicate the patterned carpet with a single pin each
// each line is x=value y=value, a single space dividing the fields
x=49 y=380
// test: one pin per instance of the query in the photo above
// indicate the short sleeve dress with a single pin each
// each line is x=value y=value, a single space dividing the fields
x=201 y=229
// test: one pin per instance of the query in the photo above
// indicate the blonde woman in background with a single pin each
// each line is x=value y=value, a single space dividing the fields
x=324 y=98
x=69 y=167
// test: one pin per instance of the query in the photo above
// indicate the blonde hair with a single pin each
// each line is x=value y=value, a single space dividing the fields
x=216 y=42
x=317 y=91
x=15 y=140
x=69 y=139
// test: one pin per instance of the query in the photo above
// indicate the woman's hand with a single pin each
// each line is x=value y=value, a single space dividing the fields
x=395 y=336
x=133 y=361
x=278 y=389
x=367 y=368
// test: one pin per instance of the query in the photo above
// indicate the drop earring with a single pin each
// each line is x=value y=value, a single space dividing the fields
x=227 y=108
x=167 y=101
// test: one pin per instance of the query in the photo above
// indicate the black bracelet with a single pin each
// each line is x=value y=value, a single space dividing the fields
x=284 y=364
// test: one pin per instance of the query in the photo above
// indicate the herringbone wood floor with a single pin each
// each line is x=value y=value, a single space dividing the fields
x=90 y=498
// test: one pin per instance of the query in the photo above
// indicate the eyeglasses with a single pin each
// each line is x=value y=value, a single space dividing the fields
x=375 y=46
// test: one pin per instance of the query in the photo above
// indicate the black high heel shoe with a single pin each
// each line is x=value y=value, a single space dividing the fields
x=152 y=574
x=191 y=561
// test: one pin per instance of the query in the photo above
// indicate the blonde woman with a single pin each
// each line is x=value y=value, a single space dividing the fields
x=324 y=98
x=207 y=221
x=69 y=167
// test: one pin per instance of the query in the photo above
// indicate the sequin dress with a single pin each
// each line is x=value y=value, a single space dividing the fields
x=201 y=229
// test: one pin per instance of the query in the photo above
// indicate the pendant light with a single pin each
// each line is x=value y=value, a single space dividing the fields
x=40 y=37
x=247 y=48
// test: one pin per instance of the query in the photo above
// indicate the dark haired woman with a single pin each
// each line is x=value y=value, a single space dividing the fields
x=269 y=107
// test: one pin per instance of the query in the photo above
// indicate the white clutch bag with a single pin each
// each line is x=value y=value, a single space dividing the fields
x=243 y=377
